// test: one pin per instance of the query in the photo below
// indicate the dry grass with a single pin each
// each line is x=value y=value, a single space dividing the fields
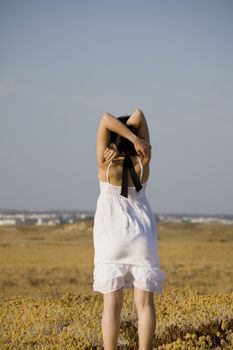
x=47 y=300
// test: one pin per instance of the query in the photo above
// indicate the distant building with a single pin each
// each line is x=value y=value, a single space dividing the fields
x=7 y=222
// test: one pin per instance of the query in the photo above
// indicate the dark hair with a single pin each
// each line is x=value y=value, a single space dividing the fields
x=124 y=145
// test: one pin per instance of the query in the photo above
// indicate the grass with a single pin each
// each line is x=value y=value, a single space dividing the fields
x=47 y=301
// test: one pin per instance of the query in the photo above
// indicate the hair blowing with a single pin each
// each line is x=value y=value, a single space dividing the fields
x=124 y=145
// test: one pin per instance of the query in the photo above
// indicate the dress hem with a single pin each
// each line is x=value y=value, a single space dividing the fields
x=110 y=277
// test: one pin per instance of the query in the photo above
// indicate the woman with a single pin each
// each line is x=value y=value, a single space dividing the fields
x=125 y=236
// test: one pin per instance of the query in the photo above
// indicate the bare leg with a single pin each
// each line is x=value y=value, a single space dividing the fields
x=146 y=317
x=111 y=318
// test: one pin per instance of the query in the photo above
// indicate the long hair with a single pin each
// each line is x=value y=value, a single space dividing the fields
x=124 y=145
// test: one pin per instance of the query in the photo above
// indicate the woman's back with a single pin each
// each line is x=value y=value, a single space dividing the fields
x=112 y=172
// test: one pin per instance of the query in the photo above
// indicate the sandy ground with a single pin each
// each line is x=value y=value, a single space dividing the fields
x=52 y=260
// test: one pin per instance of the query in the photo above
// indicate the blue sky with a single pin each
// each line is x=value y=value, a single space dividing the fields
x=64 y=63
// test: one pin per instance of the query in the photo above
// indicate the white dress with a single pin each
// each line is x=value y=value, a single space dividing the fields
x=125 y=240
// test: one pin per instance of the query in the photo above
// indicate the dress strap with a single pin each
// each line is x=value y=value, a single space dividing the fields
x=107 y=171
x=141 y=166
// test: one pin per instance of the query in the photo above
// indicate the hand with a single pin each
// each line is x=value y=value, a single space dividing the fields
x=111 y=152
x=142 y=147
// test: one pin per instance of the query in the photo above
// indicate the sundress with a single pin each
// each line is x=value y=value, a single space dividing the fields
x=125 y=240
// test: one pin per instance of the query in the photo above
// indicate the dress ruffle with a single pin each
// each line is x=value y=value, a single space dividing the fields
x=109 y=277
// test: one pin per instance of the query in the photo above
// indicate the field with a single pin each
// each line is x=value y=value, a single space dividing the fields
x=47 y=300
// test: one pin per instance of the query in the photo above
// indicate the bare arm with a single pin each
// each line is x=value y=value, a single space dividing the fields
x=138 y=120
x=109 y=123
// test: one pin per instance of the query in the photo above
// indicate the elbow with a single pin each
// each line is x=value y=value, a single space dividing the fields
x=139 y=110
x=140 y=113
x=105 y=116
x=106 y=119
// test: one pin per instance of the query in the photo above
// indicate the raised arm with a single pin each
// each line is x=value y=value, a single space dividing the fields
x=138 y=120
x=109 y=123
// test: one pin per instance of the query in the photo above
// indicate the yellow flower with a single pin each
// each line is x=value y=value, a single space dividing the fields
x=223 y=325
